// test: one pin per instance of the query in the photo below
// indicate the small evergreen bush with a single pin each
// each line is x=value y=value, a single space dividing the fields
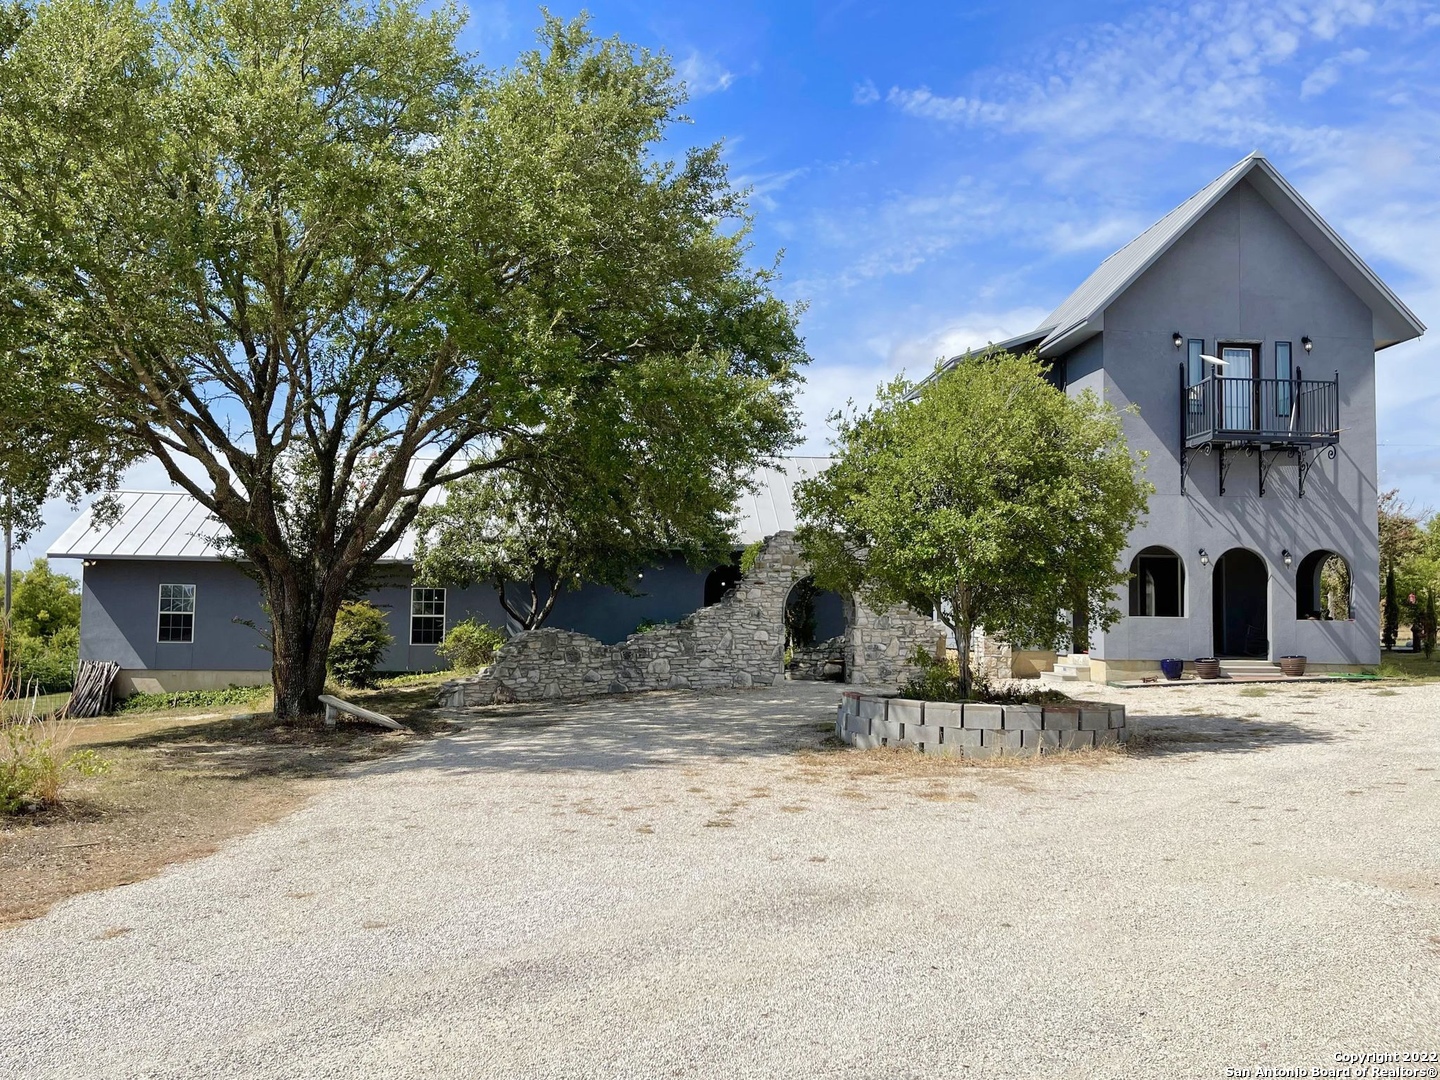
x=470 y=645
x=939 y=680
x=362 y=636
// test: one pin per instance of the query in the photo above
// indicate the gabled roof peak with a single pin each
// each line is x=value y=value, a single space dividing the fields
x=1079 y=315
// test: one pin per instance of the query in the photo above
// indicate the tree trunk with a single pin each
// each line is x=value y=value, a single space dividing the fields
x=302 y=621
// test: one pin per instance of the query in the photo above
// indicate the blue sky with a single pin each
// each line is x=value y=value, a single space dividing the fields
x=941 y=175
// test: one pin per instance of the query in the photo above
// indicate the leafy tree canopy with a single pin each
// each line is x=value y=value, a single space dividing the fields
x=44 y=602
x=314 y=256
x=984 y=494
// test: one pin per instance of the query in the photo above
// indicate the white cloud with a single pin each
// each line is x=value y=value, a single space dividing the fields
x=703 y=74
x=865 y=93
x=1329 y=73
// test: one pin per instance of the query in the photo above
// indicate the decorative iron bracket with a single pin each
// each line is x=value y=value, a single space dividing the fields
x=1307 y=462
x=1266 y=467
x=1225 y=464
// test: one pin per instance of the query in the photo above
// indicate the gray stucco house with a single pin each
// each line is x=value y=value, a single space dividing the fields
x=1264 y=463
x=160 y=600
x=1241 y=325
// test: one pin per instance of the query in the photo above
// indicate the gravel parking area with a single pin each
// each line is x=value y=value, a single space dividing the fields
x=683 y=891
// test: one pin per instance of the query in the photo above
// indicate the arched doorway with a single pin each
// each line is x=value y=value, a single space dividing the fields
x=1322 y=587
x=815 y=627
x=1157 y=584
x=1240 y=590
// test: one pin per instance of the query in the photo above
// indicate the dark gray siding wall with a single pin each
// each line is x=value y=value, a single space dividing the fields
x=120 y=609
x=1242 y=274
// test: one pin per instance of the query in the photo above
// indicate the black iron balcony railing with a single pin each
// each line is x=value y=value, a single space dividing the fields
x=1285 y=412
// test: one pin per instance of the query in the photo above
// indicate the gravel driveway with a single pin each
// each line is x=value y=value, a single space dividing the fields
x=681 y=894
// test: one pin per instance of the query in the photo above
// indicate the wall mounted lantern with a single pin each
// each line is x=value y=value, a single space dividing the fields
x=1306 y=344
x=1204 y=557
x=1285 y=554
x=1178 y=339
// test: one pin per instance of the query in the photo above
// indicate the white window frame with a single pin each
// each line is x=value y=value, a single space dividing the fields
x=161 y=612
x=414 y=615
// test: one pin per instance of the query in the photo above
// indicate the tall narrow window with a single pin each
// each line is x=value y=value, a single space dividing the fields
x=1195 y=367
x=177 y=614
x=1157 y=584
x=1284 y=373
x=427 y=616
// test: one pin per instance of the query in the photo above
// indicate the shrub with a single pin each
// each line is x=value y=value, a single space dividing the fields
x=44 y=602
x=48 y=663
x=194 y=699
x=470 y=645
x=645 y=626
x=35 y=759
x=939 y=680
x=361 y=637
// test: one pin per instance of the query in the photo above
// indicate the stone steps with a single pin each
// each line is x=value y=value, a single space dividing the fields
x=1068 y=669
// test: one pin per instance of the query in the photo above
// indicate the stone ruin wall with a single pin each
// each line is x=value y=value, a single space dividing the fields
x=739 y=642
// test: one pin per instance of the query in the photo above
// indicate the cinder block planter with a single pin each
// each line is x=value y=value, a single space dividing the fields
x=977 y=730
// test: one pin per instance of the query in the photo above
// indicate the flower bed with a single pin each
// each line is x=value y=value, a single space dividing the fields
x=977 y=730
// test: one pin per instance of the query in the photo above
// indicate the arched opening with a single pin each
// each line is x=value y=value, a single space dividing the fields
x=1157 y=584
x=1322 y=587
x=721 y=581
x=1242 y=608
x=815 y=626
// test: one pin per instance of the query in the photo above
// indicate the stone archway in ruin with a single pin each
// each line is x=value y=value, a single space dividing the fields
x=736 y=642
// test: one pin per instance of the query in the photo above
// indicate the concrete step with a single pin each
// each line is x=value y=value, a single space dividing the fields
x=1249 y=667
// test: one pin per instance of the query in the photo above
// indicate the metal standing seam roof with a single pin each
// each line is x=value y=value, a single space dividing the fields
x=1081 y=312
x=172 y=525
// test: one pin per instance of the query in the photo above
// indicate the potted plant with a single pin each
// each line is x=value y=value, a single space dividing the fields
x=1207 y=667
x=1171 y=669
x=1292 y=665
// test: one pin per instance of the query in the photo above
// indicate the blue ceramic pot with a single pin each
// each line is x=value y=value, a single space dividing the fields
x=1172 y=668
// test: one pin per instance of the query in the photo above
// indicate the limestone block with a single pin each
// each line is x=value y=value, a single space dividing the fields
x=888 y=733
x=1023 y=717
x=871 y=706
x=1006 y=740
x=983 y=716
x=1117 y=716
x=958 y=736
x=923 y=735
x=943 y=713
x=1062 y=718
x=983 y=751
x=865 y=742
x=742 y=679
x=1108 y=737
x=1076 y=739
x=1044 y=741
x=1094 y=717
x=906 y=709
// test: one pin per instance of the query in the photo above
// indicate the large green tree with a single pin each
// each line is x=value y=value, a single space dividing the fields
x=611 y=493
x=984 y=494
x=326 y=264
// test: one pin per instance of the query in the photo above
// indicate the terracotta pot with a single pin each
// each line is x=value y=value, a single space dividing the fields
x=1292 y=665
x=1207 y=667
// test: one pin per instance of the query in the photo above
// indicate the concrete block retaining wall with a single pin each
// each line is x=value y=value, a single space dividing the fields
x=739 y=642
x=975 y=730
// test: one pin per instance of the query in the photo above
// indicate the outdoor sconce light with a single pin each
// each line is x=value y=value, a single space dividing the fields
x=1204 y=557
x=1285 y=554
x=641 y=575
x=1306 y=344
x=1178 y=339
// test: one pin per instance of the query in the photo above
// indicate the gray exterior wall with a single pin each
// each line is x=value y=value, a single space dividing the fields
x=120 y=614
x=1242 y=274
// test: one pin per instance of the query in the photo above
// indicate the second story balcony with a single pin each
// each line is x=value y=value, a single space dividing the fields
x=1261 y=412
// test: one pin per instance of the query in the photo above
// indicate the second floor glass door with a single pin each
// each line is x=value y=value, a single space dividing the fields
x=1238 y=400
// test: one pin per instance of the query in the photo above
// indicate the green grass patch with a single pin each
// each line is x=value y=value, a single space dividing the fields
x=1410 y=666
x=1255 y=691
x=196 y=699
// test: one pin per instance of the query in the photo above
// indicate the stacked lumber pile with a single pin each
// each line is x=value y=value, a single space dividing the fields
x=91 y=696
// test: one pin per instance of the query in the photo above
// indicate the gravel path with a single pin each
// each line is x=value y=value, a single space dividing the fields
x=682 y=895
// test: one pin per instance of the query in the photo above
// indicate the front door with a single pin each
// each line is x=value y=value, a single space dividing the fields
x=1239 y=376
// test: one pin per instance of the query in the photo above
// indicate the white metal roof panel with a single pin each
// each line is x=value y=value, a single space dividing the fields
x=172 y=525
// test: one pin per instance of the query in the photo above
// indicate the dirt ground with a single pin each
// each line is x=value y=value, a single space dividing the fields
x=178 y=785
